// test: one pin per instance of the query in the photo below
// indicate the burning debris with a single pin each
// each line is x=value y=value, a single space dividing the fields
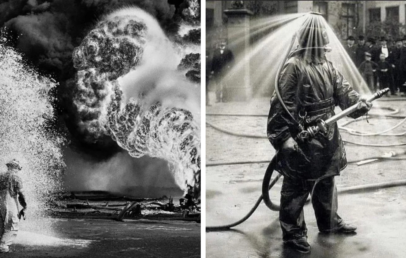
x=117 y=207
x=191 y=63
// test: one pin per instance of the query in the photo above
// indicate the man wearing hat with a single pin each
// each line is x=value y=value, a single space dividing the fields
x=11 y=195
x=221 y=64
x=396 y=52
x=383 y=49
x=350 y=48
x=376 y=53
x=360 y=51
x=402 y=67
x=369 y=44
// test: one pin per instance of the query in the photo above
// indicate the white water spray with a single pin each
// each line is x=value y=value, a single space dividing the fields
x=25 y=109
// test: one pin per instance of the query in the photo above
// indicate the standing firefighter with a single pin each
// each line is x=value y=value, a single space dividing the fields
x=10 y=195
x=310 y=87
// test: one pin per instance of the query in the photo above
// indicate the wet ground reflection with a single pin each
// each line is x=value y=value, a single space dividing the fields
x=377 y=214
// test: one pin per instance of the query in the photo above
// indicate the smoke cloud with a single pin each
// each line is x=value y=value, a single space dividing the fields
x=44 y=39
x=47 y=32
x=143 y=177
x=154 y=117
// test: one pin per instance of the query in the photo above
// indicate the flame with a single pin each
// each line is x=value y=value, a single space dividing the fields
x=128 y=87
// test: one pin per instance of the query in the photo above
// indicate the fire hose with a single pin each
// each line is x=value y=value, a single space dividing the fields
x=256 y=136
x=305 y=134
x=275 y=207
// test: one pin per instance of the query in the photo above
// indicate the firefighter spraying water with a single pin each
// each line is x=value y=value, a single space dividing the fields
x=302 y=128
x=310 y=87
x=11 y=197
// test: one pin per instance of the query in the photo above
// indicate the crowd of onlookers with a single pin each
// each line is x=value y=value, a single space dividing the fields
x=382 y=63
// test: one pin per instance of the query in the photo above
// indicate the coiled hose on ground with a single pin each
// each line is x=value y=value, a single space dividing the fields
x=267 y=184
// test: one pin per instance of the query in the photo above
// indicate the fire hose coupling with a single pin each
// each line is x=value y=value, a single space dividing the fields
x=322 y=126
x=311 y=131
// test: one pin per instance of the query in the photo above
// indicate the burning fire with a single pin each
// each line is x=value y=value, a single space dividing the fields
x=156 y=119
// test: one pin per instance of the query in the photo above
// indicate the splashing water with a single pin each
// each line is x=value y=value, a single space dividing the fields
x=267 y=54
x=129 y=88
x=25 y=111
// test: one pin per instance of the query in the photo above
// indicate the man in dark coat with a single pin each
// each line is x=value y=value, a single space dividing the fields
x=382 y=49
x=397 y=76
x=222 y=62
x=385 y=74
x=402 y=67
x=208 y=70
x=372 y=48
x=310 y=87
x=360 y=51
x=369 y=44
x=351 y=48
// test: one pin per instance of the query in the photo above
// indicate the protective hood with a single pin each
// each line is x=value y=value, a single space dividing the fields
x=312 y=33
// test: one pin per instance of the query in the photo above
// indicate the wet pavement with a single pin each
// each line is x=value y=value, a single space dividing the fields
x=109 y=238
x=232 y=190
x=380 y=217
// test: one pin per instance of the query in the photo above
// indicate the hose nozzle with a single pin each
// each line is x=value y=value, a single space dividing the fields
x=379 y=94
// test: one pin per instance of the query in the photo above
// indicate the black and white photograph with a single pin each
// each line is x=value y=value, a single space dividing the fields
x=305 y=129
x=100 y=128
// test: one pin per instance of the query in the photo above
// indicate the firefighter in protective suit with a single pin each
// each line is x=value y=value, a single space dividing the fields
x=11 y=195
x=310 y=87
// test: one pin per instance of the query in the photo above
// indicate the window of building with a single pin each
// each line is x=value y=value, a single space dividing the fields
x=291 y=7
x=392 y=14
x=209 y=17
x=348 y=18
x=374 y=14
x=321 y=7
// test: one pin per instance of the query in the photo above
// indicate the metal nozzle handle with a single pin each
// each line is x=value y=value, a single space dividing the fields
x=354 y=107
x=378 y=94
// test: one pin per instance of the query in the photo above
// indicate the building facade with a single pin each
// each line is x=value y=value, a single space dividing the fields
x=345 y=17
x=385 y=10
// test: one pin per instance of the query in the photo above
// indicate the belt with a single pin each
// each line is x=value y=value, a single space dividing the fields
x=321 y=107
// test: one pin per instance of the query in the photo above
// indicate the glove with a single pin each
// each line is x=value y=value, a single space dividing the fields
x=21 y=214
x=364 y=105
x=290 y=145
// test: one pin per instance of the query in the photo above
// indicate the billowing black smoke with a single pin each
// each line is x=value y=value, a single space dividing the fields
x=47 y=32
